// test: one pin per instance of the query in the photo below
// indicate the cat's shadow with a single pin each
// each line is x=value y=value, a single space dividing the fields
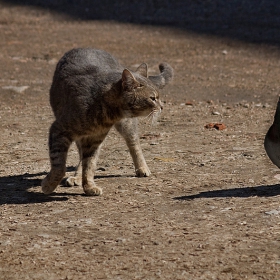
x=244 y=192
x=15 y=189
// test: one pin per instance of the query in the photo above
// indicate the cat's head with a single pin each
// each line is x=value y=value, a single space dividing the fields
x=141 y=92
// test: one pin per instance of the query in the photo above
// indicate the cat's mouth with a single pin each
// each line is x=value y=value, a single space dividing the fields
x=150 y=116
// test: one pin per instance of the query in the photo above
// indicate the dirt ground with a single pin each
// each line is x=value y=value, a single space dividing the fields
x=210 y=209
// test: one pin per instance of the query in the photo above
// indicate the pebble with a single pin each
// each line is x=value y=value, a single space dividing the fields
x=52 y=61
x=189 y=103
x=218 y=126
x=272 y=212
x=101 y=169
x=16 y=89
x=215 y=113
x=121 y=240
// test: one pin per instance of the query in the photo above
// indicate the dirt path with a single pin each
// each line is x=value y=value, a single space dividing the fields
x=210 y=210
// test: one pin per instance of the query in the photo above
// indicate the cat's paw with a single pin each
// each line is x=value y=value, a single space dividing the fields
x=47 y=186
x=73 y=181
x=143 y=172
x=92 y=190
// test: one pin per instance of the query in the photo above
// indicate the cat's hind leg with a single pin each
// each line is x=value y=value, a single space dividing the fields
x=128 y=128
x=90 y=148
x=59 y=143
x=76 y=180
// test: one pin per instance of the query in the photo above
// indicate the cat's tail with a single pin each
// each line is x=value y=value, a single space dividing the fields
x=165 y=76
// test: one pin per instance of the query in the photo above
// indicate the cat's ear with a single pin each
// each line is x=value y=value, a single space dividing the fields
x=143 y=70
x=128 y=80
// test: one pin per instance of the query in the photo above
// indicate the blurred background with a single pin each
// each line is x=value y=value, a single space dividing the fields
x=248 y=20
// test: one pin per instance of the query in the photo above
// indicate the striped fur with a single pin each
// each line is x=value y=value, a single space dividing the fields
x=90 y=93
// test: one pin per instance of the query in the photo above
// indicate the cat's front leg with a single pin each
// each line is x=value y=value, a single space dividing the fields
x=128 y=128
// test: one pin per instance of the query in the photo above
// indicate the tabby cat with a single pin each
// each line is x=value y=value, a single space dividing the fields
x=90 y=93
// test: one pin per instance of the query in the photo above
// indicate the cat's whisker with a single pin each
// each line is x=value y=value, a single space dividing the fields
x=149 y=114
x=155 y=116
x=152 y=117
x=148 y=118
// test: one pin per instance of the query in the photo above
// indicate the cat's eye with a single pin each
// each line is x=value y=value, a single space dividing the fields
x=153 y=98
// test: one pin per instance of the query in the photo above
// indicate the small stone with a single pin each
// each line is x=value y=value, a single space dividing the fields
x=101 y=169
x=189 y=103
x=209 y=125
x=220 y=126
x=215 y=113
x=226 y=209
x=272 y=212
x=52 y=61
x=120 y=240
x=16 y=89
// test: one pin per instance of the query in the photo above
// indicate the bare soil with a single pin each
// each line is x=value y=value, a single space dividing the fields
x=210 y=209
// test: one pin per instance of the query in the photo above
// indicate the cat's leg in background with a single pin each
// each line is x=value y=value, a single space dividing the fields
x=59 y=143
x=128 y=128
x=90 y=147
x=76 y=180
